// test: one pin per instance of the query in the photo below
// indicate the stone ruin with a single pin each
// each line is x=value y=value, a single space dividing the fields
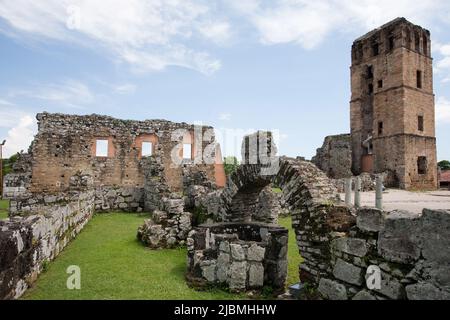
x=66 y=177
x=231 y=233
x=242 y=256
x=341 y=246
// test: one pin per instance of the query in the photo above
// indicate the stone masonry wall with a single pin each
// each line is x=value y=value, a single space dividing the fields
x=411 y=251
x=335 y=156
x=27 y=242
x=16 y=184
x=242 y=256
x=66 y=144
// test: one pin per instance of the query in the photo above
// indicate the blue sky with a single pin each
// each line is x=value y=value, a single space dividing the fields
x=237 y=65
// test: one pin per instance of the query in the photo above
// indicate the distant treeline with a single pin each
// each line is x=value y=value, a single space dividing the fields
x=8 y=164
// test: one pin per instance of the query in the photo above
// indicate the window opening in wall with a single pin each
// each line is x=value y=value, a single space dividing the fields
x=101 y=148
x=380 y=84
x=375 y=49
x=419 y=79
x=147 y=149
x=370 y=88
x=425 y=45
x=391 y=43
x=417 y=37
x=370 y=72
x=422 y=165
x=380 y=128
x=187 y=151
x=420 y=123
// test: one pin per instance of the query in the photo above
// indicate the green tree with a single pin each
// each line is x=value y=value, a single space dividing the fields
x=444 y=165
x=8 y=164
x=231 y=164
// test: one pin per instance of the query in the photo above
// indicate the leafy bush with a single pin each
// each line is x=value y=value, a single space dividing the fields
x=444 y=165
x=230 y=164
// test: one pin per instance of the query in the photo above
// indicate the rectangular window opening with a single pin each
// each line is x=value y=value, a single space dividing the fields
x=391 y=43
x=380 y=84
x=101 y=148
x=370 y=72
x=420 y=123
x=370 y=88
x=147 y=149
x=419 y=79
x=380 y=128
x=422 y=165
x=375 y=49
x=187 y=151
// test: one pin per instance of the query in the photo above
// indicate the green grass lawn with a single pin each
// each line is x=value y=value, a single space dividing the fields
x=294 y=258
x=4 y=206
x=114 y=265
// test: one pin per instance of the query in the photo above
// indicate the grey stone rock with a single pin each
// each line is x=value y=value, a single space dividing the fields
x=209 y=272
x=223 y=267
x=256 y=275
x=370 y=219
x=391 y=287
x=347 y=272
x=237 y=252
x=256 y=253
x=426 y=291
x=398 y=241
x=355 y=247
x=435 y=235
x=238 y=275
x=364 y=295
x=332 y=290
x=224 y=246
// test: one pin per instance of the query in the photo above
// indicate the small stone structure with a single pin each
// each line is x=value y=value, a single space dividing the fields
x=243 y=256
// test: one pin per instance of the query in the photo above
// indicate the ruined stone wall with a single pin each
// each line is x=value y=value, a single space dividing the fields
x=16 y=184
x=411 y=251
x=66 y=144
x=42 y=230
x=335 y=156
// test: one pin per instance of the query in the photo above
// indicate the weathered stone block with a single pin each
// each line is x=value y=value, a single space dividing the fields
x=238 y=275
x=370 y=219
x=435 y=235
x=256 y=253
x=332 y=290
x=256 y=275
x=237 y=252
x=355 y=247
x=426 y=291
x=209 y=272
x=347 y=272
x=223 y=267
x=391 y=287
x=364 y=295
x=398 y=241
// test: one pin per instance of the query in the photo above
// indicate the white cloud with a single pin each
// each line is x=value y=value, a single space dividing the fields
x=308 y=23
x=68 y=93
x=225 y=116
x=22 y=127
x=148 y=34
x=126 y=88
x=442 y=66
x=218 y=32
x=443 y=110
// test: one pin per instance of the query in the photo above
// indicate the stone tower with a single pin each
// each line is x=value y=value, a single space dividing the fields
x=392 y=105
